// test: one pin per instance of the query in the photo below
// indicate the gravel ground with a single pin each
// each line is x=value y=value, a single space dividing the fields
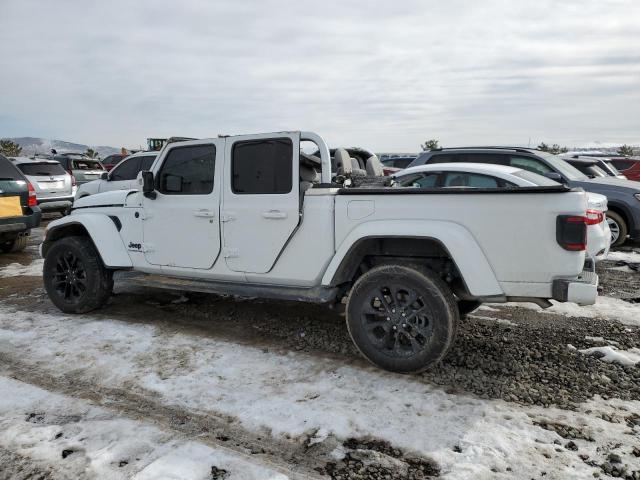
x=510 y=353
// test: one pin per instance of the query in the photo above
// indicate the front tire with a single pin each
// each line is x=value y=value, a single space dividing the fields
x=618 y=227
x=74 y=276
x=401 y=319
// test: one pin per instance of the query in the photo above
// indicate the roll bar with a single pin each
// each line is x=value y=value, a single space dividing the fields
x=325 y=158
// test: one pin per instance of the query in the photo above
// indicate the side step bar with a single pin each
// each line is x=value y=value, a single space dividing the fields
x=276 y=292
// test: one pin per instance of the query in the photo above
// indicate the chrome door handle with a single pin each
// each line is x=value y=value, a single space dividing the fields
x=274 y=214
x=204 y=213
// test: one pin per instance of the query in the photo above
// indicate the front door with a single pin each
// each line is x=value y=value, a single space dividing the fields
x=181 y=225
x=261 y=199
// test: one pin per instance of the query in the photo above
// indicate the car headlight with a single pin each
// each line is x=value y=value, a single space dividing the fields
x=637 y=195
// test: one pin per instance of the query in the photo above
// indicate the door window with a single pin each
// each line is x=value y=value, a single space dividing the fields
x=188 y=171
x=474 y=180
x=126 y=170
x=146 y=162
x=262 y=166
x=532 y=164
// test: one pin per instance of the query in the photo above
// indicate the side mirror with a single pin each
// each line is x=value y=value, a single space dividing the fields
x=148 y=184
x=555 y=176
x=104 y=176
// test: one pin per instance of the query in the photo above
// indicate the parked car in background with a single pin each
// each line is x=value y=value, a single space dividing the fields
x=19 y=211
x=52 y=184
x=628 y=166
x=589 y=167
x=82 y=168
x=623 y=196
x=112 y=160
x=603 y=163
x=391 y=165
x=122 y=177
x=487 y=176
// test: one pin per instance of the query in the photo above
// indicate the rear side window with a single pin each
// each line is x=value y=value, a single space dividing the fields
x=423 y=180
x=188 y=171
x=42 y=169
x=8 y=171
x=126 y=170
x=262 y=166
x=447 y=158
x=87 y=165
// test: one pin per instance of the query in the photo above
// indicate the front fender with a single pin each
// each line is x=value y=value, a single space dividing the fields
x=457 y=240
x=100 y=228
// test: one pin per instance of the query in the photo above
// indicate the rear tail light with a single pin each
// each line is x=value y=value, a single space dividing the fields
x=73 y=180
x=32 y=202
x=594 y=217
x=571 y=232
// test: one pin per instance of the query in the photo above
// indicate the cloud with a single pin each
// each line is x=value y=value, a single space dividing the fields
x=384 y=75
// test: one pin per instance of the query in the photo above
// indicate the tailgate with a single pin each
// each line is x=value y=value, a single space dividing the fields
x=13 y=197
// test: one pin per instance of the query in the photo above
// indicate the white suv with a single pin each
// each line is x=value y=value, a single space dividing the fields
x=121 y=177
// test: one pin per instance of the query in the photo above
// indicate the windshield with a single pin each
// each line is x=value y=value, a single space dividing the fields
x=42 y=169
x=568 y=171
x=535 y=178
x=596 y=171
x=613 y=169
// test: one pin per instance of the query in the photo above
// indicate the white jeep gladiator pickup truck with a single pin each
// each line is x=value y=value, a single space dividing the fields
x=250 y=216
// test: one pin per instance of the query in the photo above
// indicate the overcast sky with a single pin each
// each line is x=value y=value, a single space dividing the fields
x=380 y=74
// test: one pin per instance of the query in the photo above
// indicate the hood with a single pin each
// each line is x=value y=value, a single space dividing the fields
x=113 y=198
x=595 y=201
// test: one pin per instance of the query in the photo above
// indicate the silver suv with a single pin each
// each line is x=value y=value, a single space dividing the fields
x=53 y=186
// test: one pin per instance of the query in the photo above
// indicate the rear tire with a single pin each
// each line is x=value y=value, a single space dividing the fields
x=16 y=245
x=74 y=276
x=618 y=226
x=401 y=319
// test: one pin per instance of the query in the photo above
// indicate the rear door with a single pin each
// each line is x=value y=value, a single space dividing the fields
x=261 y=199
x=180 y=226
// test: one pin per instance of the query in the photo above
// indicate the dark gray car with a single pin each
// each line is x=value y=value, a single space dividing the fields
x=623 y=196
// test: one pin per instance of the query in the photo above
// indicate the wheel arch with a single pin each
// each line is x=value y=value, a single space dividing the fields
x=102 y=230
x=412 y=241
x=624 y=212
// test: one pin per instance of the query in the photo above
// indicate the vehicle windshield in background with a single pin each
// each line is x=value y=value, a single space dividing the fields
x=596 y=171
x=613 y=168
x=42 y=169
x=85 y=164
x=535 y=178
x=569 y=171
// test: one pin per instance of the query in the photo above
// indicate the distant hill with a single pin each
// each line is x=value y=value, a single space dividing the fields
x=32 y=145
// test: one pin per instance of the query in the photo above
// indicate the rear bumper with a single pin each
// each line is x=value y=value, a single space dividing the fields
x=582 y=290
x=56 y=203
x=13 y=225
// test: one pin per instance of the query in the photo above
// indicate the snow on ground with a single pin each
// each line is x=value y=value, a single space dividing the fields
x=297 y=395
x=630 y=257
x=34 y=269
x=613 y=355
x=502 y=321
x=607 y=308
x=41 y=425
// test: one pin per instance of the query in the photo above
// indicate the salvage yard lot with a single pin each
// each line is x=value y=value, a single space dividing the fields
x=162 y=385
